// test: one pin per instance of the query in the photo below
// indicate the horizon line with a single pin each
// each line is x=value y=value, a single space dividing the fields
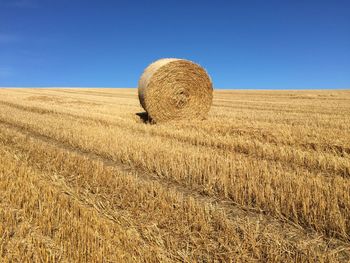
x=110 y=87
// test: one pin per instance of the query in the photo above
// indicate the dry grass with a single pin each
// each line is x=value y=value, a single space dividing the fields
x=265 y=178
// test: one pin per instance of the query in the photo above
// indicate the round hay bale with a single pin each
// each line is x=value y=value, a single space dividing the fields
x=175 y=89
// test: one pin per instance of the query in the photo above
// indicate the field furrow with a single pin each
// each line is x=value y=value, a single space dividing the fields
x=264 y=148
x=163 y=221
x=85 y=178
x=215 y=174
x=55 y=214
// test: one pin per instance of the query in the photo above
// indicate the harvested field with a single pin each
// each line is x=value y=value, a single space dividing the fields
x=85 y=178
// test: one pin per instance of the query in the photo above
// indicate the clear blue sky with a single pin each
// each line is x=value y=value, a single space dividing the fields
x=243 y=44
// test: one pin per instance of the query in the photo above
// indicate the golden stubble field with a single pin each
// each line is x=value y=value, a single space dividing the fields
x=83 y=178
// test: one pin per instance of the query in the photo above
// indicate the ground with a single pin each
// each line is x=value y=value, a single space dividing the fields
x=85 y=178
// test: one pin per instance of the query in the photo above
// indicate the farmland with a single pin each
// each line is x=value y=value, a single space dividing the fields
x=85 y=178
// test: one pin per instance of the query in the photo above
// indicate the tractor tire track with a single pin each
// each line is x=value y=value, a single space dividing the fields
x=231 y=208
x=239 y=148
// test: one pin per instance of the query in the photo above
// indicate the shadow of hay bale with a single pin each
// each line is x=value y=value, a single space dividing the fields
x=144 y=117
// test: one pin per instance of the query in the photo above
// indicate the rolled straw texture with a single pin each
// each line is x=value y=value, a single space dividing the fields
x=175 y=89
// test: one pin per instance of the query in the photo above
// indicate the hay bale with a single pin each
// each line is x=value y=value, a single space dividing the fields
x=175 y=89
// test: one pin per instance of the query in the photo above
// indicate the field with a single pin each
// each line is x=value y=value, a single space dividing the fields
x=85 y=178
